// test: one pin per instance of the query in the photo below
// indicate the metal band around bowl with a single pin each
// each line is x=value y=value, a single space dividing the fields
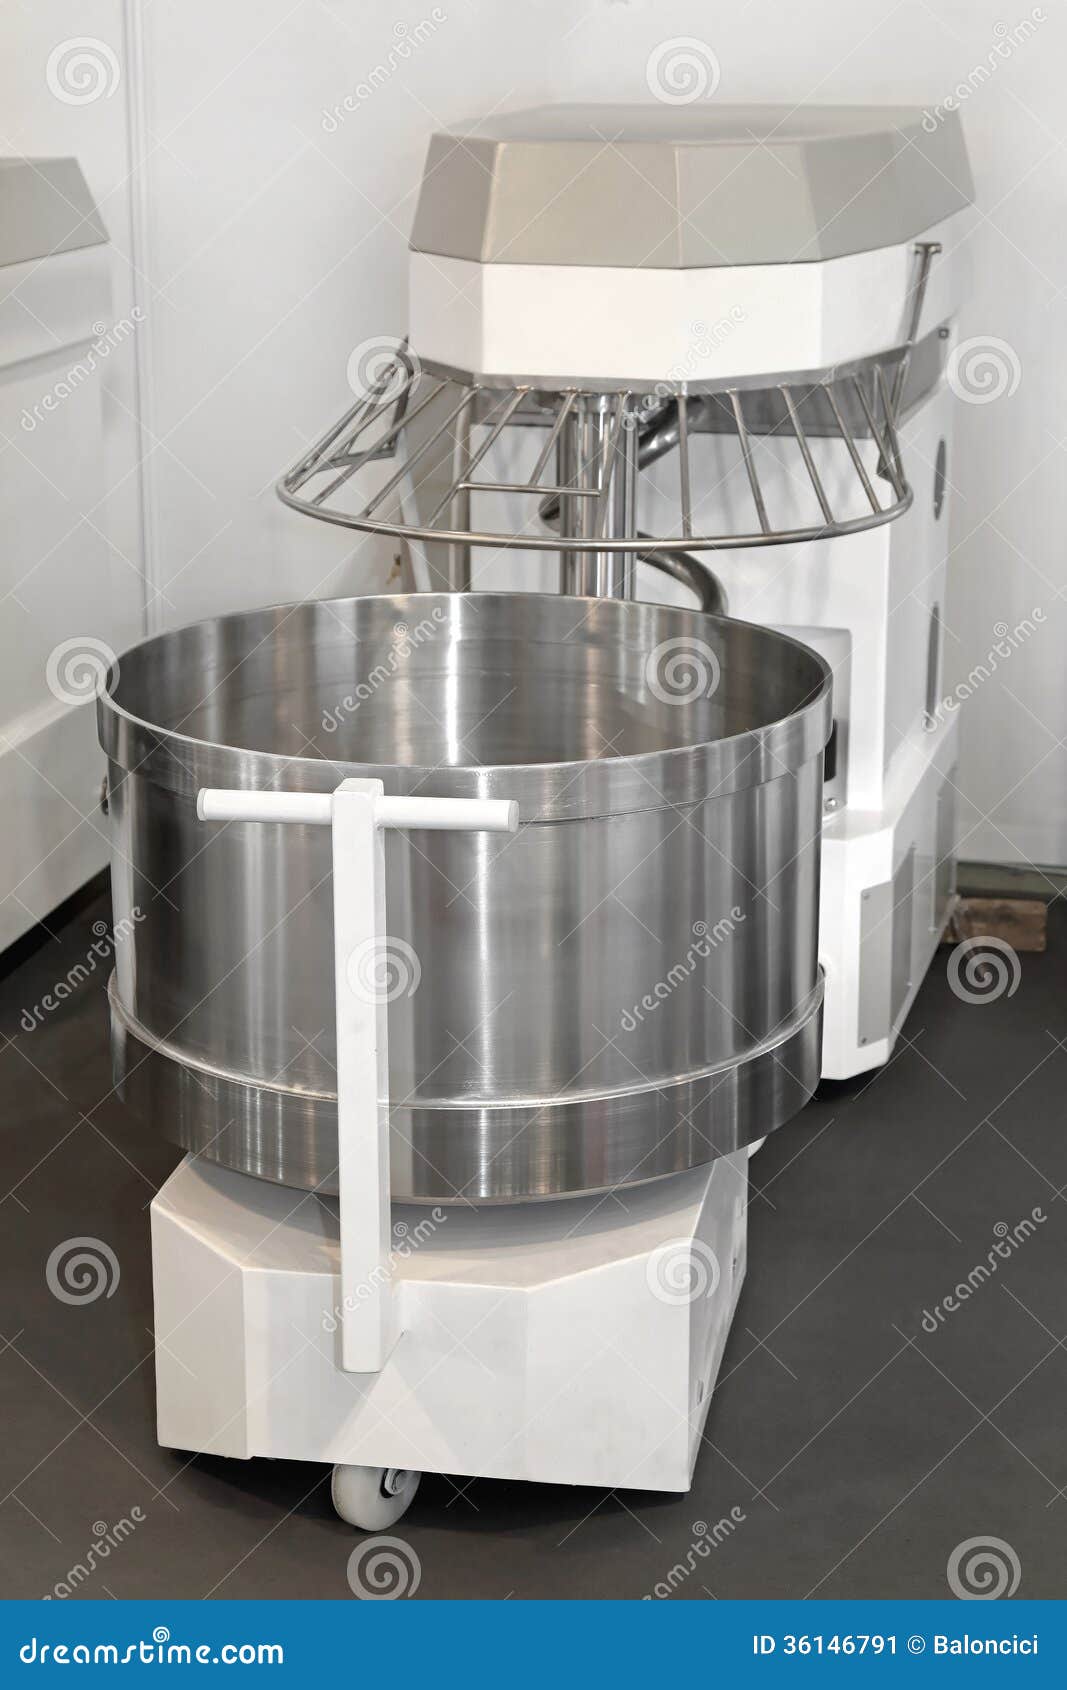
x=545 y=792
x=477 y=1154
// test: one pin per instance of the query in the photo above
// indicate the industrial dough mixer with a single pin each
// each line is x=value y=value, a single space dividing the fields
x=490 y=935
x=746 y=366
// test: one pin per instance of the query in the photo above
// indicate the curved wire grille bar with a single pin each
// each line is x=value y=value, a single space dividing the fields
x=423 y=418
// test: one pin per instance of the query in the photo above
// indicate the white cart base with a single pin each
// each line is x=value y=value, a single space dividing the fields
x=571 y=1342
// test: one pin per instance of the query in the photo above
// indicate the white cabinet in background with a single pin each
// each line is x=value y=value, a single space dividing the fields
x=64 y=605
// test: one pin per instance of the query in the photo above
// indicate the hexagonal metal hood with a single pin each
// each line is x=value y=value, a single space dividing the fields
x=655 y=187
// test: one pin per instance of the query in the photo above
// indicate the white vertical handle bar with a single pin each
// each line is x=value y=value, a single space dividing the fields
x=357 y=812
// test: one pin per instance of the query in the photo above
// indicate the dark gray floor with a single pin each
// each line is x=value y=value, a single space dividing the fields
x=860 y=1449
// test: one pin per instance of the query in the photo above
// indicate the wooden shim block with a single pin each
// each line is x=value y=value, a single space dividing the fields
x=1020 y=922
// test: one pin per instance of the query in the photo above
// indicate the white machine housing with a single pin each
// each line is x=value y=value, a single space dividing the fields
x=757 y=241
x=872 y=604
x=558 y=1342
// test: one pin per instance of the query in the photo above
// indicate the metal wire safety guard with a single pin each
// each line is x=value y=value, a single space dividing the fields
x=599 y=443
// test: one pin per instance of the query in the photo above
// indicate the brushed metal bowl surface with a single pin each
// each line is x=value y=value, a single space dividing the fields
x=625 y=988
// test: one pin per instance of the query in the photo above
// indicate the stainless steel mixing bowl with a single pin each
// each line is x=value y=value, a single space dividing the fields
x=626 y=987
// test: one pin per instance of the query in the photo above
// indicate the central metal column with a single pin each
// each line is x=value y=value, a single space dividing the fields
x=597 y=458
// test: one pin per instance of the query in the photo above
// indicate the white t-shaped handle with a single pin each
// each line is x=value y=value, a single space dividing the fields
x=357 y=813
x=467 y=815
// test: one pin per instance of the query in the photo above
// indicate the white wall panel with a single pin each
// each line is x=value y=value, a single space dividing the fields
x=283 y=152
